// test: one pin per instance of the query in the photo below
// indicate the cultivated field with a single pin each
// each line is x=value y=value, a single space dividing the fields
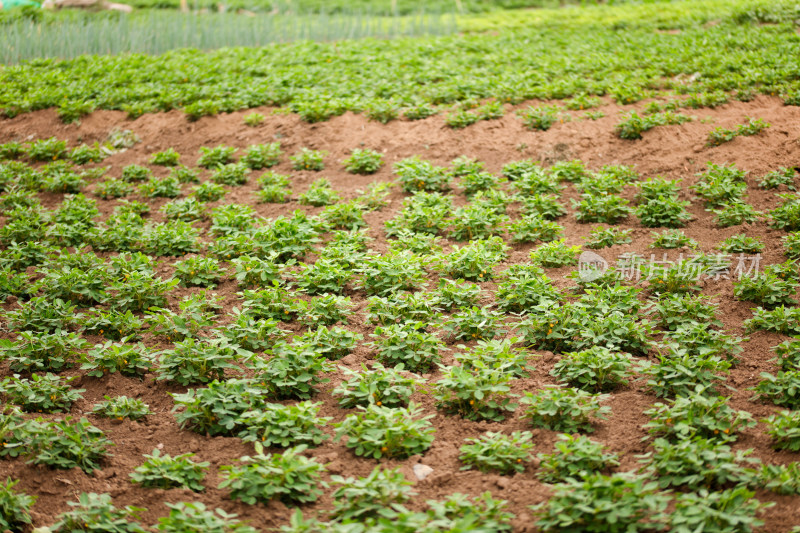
x=347 y=286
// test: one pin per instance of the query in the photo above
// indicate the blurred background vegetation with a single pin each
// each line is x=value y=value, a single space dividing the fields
x=157 y=26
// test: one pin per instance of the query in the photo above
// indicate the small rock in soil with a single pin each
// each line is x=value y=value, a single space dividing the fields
x=334 y=467
x=422 y=471
x=328 y=457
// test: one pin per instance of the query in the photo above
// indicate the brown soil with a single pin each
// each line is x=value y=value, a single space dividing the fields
x=676 y=152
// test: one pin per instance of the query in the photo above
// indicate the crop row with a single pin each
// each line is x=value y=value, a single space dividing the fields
x=546 y=60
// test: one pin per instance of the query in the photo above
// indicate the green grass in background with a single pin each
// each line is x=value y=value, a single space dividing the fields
x=617 y=50
x=155 y=32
